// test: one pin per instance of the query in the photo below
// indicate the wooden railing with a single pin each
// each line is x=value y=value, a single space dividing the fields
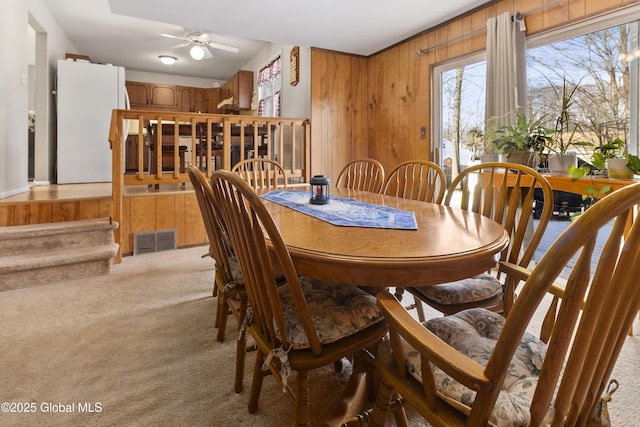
x=166 y=140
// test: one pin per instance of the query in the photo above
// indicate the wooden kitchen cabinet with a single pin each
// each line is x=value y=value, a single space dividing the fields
x=240 y=87
x=187 y=99
x=192 y=99
x=212 y=97
x=152 y=96
x=164 y=97
x=139 y=94
x=199 y=101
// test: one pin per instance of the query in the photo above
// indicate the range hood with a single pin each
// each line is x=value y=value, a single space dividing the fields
x=225 y=102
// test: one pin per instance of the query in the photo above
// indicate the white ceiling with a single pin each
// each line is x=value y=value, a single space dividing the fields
x=127 y=32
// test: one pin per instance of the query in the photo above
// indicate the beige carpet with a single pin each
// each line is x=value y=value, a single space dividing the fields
x=138 y=348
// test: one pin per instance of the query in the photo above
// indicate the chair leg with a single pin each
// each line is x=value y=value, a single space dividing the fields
x=223 y=315
x=214 y=289
x=419 y=309
x=241 y=351
x=417 y=304
x=217 y=293
x=256 y=382
x=400 y=415
x=216 y=323
x=303 y=405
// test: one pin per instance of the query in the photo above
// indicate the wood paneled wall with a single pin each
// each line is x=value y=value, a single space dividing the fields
x=397 y=85
x=142 y=213
x=161 y=212
x=339 y=104
x=53 y=211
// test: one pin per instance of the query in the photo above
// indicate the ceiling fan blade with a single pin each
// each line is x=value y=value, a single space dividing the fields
x=207 y=53
x=178 y=46
x=223 y=47
x=174 y=37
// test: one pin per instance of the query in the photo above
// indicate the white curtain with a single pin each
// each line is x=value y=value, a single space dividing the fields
x=269 y=88
x=506 y=94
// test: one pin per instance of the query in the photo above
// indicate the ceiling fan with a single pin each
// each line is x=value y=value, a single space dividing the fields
x=201 y=44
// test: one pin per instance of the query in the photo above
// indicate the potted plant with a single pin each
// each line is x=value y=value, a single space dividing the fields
x=605 y=158
x=521 y=142
x=559 y=157
x=618 y=167
x=489 y=150
x=613 y=157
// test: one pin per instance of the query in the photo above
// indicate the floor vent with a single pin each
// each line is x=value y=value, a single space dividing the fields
x=154 y=241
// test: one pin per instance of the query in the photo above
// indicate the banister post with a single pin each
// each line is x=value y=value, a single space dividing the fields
x=117 y=186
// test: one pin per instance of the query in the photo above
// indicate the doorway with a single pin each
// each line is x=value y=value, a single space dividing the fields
x=31 y=109
x=39 y=158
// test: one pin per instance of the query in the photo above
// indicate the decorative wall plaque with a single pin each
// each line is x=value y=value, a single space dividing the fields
x=294 y=66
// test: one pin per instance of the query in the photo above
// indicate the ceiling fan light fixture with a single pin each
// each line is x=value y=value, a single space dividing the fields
x=197 y=52
x=167 y=60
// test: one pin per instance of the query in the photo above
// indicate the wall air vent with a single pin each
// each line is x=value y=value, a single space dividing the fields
x=154 y=241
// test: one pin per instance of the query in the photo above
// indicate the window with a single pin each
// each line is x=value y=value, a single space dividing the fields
x=462 y=98
x=270 y=88
x=600 y=56
x=599 y=65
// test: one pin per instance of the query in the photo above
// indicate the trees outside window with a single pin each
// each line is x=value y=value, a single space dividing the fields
x=597 y=66
x=600 y=63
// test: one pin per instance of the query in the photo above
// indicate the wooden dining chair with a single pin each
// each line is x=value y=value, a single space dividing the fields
x=362 y=174
x=208 y=149
x=261 y=174
x=228 y=285
x=503 y=192
x=302 y=325
x=165 y=138
x=416 y=180
x=476 y=367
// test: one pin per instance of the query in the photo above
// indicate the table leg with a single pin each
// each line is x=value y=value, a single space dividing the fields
x=359 y=391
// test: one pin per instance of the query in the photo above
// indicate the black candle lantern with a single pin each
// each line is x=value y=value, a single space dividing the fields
x=319 y=190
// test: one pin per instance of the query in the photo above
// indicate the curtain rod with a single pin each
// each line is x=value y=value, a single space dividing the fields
x=518 y=15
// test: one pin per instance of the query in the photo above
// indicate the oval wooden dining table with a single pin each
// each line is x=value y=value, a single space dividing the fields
x=448 y=244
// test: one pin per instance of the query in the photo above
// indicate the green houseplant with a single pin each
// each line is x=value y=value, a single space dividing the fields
x=603 y=157
x=559 y=156
x=522 y=141
x=601 y=161
x=618 y=162
x=488 y=150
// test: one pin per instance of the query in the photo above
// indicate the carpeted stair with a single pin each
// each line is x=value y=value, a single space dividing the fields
x=39 y=254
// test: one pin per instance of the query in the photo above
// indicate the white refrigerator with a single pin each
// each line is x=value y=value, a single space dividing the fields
x=86 y=94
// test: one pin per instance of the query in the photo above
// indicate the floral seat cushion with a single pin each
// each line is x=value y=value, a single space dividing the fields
x=236 y=273
x=474 y=333
x=477 y=288
x=337 y=311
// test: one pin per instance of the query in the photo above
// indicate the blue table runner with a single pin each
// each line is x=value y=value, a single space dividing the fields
x=345 y=212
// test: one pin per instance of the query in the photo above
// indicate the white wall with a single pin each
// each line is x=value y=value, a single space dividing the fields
x=14 y=69
x=13 y=109
x=296 y=100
